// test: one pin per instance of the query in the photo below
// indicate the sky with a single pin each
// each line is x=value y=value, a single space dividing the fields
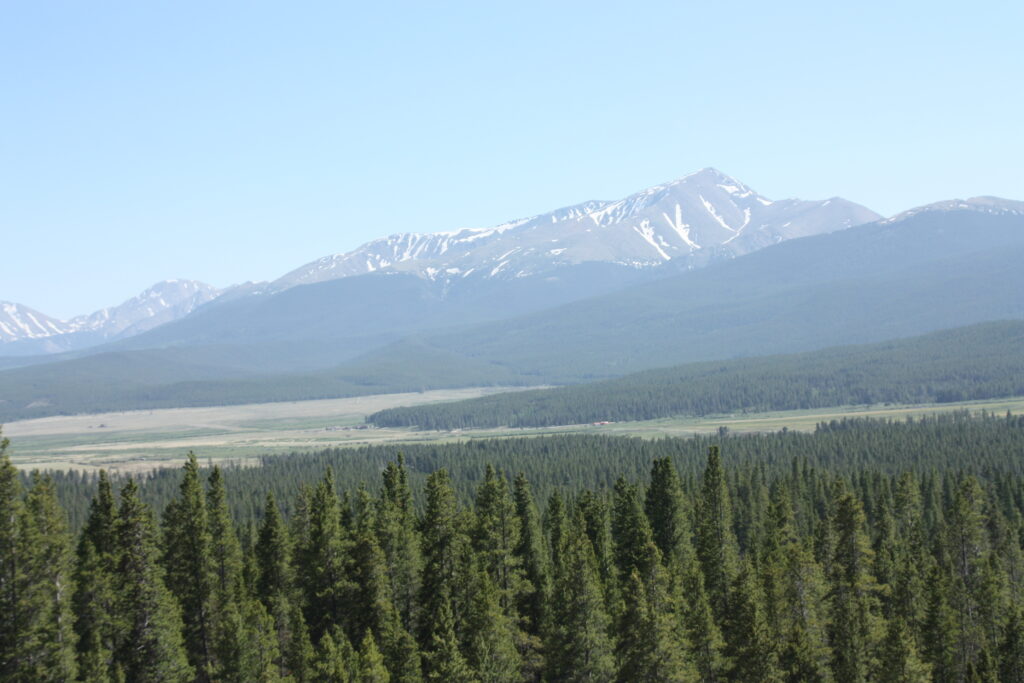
x=234 y=141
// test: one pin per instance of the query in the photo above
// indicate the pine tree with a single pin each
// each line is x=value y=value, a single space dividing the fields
x=751 y=650
x=535 y=589
x=150 y=644
x=401 y=652
x=189 y=572
x=254 y=653
x=900 y=662
x=495 y=538
x=664 y=506
x=939 y=628
x=968 y=549
x=579 y=648
x=532 y=555
x=334 y=662
x=93 y=599
x=631 y=532
x=856 y=621
x=396 y=532
x=323 y=561
x=236 y=625
x=14 y=632
x=444 y=658
x=794 y=591
x=444 y=543
x=225 y=550
x=371 y=663
x=492 y=633
x=703 y=634
x=45 y=554
x=369 y=605
x=274 y=574
x=555 y=524
x=715 y=543
x=1011 y=650
x=651 y=642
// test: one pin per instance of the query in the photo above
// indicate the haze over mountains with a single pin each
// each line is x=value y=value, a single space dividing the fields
x=26 y=331
x=702 y=268
x=693 y=221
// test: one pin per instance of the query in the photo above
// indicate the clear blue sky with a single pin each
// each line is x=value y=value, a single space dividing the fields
x=233 y=141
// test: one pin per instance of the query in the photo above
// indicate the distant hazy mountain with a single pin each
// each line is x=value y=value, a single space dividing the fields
x=694 y=220
x=21 y=322
x=463 y=276
x=25 y=331
x=941 y=266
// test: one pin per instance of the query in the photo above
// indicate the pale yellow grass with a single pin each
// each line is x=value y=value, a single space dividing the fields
x=144 y=440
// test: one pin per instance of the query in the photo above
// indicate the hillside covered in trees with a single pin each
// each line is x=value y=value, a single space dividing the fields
x=976 y=362
x=865 y=551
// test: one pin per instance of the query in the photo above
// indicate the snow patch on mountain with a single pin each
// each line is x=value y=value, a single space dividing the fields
x=161 y=303
x=706 y=211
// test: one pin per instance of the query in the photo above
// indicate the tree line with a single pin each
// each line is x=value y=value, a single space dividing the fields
x=978 y=362
x=733 y=569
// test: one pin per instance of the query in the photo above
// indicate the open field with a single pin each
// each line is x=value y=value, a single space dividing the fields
x=141 y=440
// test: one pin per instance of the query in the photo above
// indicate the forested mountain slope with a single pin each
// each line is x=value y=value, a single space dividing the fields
x=930 y=270
x=981 y=361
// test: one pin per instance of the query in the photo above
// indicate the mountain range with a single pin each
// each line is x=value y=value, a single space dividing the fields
x=26 y=331
x=699 y=269
x=701 y=218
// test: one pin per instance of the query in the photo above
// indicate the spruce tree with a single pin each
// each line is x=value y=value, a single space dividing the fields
x=444 y=544
x=579 y=647
x=274 y=574
x=14 y=633
x=335 y=660
x=856 y=620
x=324 y=562
x=900 y=661
x=495 y=538
x=751 y=648
x=665 y=509
x=186 y=559
x=968 y=550
x=445 y=661
x=651 y=641
x=714 y=542
x=703 y=634
x=631 y=532
x=555 y=524
x=45 y=554
x=398 y=538
x=93 y=599
x=150 y=645
x=236 y=624
x=530 y=551
x=371 y=663
x=492 y=651
x=1011 y=650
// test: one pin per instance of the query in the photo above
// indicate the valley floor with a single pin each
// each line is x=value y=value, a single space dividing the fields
x=144 y=440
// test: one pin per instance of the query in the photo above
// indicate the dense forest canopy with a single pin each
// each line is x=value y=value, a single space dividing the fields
x=977 y=362
x=867 y=550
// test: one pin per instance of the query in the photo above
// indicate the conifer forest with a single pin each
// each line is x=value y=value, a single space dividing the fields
x=864 y=551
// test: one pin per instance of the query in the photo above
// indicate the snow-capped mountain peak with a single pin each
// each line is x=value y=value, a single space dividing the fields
x=695 y=219
x=163 y=302
x=21 y=322
x=996 y=205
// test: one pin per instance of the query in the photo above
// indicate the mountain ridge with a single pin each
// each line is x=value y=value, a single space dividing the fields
x=24 y=330
x=702 y=216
